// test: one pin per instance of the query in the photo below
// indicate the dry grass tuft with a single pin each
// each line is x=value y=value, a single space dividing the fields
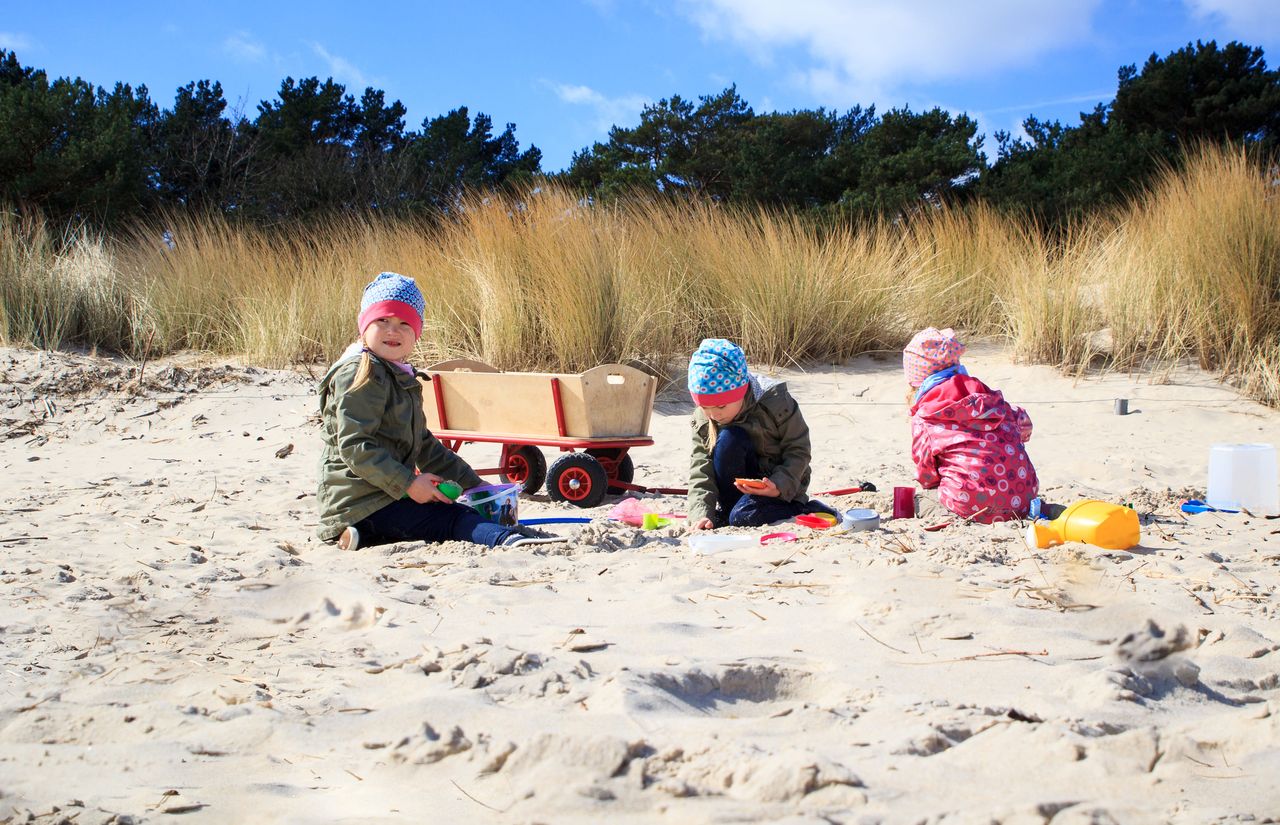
x=1197 y=273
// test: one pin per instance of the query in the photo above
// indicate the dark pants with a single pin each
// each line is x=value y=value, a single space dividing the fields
x=407 y=520
x=734 y=456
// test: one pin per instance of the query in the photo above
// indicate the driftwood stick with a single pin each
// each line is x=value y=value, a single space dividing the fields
x=877 y=641
x=146 y=353
x=477 y=801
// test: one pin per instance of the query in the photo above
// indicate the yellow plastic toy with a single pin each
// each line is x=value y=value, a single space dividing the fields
x=1100 y=523
x=652 y=521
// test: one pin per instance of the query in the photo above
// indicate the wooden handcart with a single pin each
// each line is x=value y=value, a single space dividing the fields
x=594 y=418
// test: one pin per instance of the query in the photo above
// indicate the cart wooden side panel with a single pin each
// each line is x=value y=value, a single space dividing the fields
x=608 y=401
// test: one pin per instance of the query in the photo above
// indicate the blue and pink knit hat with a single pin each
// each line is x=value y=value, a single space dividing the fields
x=717 y=373
x=394 y=295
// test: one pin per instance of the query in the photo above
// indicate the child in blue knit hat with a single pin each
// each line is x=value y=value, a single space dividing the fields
x=381 y=469
x=750 y=460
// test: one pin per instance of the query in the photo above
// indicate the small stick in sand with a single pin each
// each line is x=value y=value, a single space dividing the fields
x=477 y=801
x=936 y=527
x=1030 y=654
x=1027 y=653
x=877 y=641
x=1129 y=575
x=787 y=560
x=1152 y=521
x=1200 y=600
x=1243 y=584
x=38 y=702
x=146 y=351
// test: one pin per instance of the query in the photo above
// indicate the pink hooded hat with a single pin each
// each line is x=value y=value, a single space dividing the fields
x=929 y=351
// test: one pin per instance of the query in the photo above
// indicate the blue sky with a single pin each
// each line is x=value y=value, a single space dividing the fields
x=565 y=70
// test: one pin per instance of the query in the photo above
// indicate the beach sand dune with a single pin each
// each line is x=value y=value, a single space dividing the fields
x=175 y=641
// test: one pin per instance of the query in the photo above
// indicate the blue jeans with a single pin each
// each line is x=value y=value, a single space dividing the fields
x=407 y=520
x=734 y=456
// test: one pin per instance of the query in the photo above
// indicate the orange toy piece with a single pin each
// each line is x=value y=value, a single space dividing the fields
x=752 y=483
x=1100 y=523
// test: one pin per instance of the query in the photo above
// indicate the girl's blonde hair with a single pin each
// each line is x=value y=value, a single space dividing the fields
x=362 y=372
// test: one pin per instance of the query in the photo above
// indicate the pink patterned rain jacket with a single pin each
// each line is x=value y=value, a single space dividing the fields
x=967 y=441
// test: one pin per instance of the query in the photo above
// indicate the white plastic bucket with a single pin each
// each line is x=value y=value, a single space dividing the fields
x=499 y=503
x=860 y=518
x=1243 y=476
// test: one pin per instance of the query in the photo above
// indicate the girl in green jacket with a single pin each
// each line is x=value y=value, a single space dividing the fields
x=381 y=468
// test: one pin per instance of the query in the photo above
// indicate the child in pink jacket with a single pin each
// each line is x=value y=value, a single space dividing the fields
x=966 y=440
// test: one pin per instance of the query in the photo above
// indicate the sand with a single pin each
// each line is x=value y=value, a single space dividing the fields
x=177 y=646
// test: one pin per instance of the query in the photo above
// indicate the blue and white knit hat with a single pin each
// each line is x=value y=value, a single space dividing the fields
x=717 y=373
x=391 y=294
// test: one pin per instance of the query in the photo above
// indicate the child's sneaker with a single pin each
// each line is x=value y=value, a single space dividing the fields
x=350 y=539
x=517 y=540
x=531 y=532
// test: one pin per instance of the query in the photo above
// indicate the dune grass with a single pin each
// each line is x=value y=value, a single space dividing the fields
x=543 y=281
x=1197 y=272
x=60 y=290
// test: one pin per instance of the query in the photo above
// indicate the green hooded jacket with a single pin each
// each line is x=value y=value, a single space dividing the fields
x=779 y=434
x=374 y=437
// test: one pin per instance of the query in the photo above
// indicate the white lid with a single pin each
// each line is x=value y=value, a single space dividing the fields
x=860 y=514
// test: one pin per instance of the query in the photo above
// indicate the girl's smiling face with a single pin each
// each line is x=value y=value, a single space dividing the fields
x=389 y=338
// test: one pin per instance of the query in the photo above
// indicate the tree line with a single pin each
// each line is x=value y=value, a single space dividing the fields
x=79 y=152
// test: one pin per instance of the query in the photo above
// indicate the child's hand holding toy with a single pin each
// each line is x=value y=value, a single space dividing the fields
x=425 y=489
x=757 y=487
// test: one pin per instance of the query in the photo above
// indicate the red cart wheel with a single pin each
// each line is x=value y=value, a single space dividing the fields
x=617 y=468
x=578 y=479
x=525 y=466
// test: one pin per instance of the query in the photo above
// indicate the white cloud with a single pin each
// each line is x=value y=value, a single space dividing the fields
x=607 y=111
x=872 y=49
x=1255 y=22
x=243 y=47
x=342 y=70
x=14 y=42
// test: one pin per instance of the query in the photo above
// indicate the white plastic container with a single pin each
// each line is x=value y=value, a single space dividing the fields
x=708 y=543
x=860 y=518
x=499 y=503
x=1243 y=476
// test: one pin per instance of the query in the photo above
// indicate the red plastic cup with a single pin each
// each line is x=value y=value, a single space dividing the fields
x=904 y=502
